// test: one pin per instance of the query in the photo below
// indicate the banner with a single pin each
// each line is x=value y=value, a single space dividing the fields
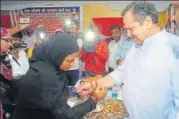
x=52 y=18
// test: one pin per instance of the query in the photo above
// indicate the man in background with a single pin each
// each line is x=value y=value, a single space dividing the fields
x=29 y=37
x=38 y=36
x=94 y=54
x=175 y=18
x=75 y=72
x=124 y=46
x=113 y=46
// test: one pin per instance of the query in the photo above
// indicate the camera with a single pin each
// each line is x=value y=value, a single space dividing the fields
x=4 y=59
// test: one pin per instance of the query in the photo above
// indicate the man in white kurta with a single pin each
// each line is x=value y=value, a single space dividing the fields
x=150 y=72
x=150 y=77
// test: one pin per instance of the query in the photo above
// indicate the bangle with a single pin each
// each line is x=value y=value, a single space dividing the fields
x=94 y=97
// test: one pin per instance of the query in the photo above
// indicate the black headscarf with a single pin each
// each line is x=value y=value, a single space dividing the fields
x=45 y=82
x=43 y=91
x=54 y=50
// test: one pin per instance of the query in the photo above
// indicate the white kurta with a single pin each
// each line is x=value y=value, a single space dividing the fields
x=150 y=77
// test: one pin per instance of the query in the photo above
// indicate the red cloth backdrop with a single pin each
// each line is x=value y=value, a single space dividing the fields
x=105 y=23
x=6 y=20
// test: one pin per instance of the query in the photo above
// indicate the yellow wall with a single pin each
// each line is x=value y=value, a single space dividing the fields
x=163 y=18
x=102 y=10
x=97 y=10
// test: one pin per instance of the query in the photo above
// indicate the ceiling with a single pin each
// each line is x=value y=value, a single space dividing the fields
x=14 y=5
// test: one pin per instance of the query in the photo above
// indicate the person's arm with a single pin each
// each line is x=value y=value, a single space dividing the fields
x=63 y=111
x=117 y=56
x=77 y=112
x=101 y=50
x=114 y=78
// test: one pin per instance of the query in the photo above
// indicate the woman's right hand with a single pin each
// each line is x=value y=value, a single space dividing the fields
x=89 y=85
x=85 y=89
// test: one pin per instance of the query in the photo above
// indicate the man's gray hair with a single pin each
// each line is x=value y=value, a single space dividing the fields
x=142 y=9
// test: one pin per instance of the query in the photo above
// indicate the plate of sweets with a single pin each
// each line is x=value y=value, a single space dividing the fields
x=109 y=109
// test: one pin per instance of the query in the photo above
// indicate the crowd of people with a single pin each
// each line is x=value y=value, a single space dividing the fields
x=144 y=59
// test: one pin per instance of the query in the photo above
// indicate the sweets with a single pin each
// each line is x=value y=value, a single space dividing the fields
x=112 y=109
x=112 y=106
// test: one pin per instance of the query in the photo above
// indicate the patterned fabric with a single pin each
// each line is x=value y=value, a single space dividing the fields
x=7 y=73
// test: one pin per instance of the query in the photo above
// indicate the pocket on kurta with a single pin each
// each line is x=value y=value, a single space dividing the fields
x=145 y=79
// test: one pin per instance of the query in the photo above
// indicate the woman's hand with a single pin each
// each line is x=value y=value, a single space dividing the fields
x=98 y=94
x=88 y=86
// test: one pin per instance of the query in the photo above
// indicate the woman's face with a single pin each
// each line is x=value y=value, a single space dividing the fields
x=68 y=61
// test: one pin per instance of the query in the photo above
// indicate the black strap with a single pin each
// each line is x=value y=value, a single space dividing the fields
x=16 y=61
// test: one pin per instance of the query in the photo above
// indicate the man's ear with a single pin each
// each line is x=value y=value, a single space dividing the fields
x=148 y=22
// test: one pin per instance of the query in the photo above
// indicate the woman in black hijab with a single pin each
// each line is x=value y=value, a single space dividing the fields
x=43 y=91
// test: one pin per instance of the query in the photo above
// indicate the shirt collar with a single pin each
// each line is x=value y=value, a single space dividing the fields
x=148 y=41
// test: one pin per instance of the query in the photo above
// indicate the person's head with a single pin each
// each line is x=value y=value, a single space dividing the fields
x=74 y=28
x=59 y=51
x=30 y=31
x=41 y=33
x=115 y=32
x=140 y=19
x=175 y=5
x=176 y=15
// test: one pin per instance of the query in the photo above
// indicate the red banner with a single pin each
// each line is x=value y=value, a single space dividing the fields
x=6 y=21
x=52 y=18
